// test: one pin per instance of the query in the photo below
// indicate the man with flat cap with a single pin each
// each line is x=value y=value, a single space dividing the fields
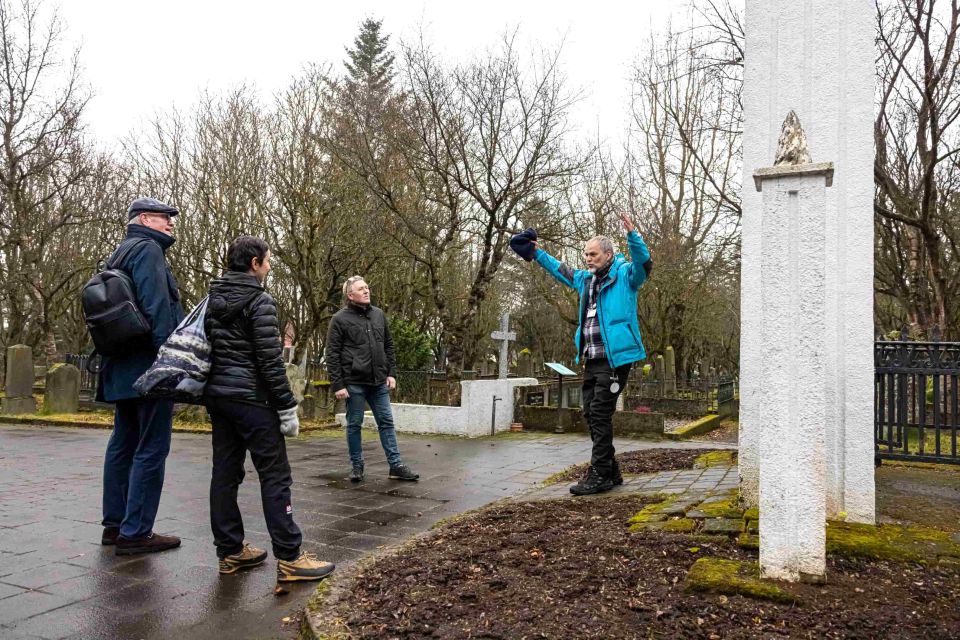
x=137 y=452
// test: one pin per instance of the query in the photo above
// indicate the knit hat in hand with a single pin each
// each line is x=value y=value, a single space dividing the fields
x=522 y=243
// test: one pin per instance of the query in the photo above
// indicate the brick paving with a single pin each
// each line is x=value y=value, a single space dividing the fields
x=56 y=581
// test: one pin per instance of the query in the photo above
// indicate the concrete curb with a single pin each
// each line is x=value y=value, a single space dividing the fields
x=40 y=421
x=695 y=428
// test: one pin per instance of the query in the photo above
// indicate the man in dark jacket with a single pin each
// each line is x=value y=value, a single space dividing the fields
x=363 y=371
x=136 y=454
x=251 y=406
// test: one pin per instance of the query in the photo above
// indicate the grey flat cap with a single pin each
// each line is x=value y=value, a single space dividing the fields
x=149 y=205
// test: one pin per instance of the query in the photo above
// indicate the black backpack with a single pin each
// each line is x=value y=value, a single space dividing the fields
x=109 y=299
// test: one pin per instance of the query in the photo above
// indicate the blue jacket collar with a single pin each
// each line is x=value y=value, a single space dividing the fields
x=140 y=231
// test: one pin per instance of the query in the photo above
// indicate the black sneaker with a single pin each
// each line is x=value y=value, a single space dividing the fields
x=616 y=476
x=356 y=474
x=402 y=472
x=592 y=483
x=151 y=543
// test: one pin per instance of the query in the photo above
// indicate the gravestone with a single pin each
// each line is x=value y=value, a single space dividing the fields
x=525 y=364
x=298 y=381
x=505 y=337
x=18 y=394
x=61 y=393
x=670 y=373
x=659 y=373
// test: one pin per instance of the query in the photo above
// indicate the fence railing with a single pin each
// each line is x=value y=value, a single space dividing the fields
x=916 y=413
x=88 y=380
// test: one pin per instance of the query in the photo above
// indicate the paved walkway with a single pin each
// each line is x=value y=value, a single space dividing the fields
x=56 y=581
x=693 y=483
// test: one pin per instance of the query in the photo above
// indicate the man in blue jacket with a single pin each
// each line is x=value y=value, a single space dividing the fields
x=608 y=336
x=133 y=468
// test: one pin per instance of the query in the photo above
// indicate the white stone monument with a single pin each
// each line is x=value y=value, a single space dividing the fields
x=793 y=338
x=815 y=58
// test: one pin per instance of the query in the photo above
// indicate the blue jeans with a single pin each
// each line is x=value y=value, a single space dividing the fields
x=378 y=397
x=134 y=464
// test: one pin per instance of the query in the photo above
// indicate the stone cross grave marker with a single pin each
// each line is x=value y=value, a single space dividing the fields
x=505 y=336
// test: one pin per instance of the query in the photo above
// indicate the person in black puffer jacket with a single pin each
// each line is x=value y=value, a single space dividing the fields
x=251 y=407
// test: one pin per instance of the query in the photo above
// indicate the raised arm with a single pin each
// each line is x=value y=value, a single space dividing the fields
x=640 y=262
x=564 y=273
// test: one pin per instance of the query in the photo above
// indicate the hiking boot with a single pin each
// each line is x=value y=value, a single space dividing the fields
x=244 y=559
x=356 y=474
x=402 y=472
x=305 y=567
x=616 y=476
x=592 y=483
x=110 y=535
x=151 y=543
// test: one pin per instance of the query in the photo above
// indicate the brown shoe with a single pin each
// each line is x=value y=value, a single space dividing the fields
x=246 y=558
x=151 y=543
x=305 y=567
x=110 y=535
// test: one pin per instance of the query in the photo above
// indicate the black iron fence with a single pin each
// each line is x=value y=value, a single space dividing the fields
x=88 y=378
x=916 y=413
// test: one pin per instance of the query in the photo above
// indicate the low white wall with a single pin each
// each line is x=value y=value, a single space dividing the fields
x=472 y=418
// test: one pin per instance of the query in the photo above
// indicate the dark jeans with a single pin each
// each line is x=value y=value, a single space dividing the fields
x=237 y=428
x=378 y=397
x=134 y=465
x=599 y=403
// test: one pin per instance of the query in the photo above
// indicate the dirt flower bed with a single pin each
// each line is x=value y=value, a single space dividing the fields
x=571 y=569
x=642 y=461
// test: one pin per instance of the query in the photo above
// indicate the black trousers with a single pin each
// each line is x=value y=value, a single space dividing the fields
x=599 y=403
x=237 y=428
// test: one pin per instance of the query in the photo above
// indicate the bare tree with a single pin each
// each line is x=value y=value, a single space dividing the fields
x=44 y=161
x=917 y=168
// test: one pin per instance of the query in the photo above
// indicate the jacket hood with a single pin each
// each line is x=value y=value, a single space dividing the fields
x=231 y=293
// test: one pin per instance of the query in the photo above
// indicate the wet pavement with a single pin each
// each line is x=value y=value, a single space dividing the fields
x=56 y=581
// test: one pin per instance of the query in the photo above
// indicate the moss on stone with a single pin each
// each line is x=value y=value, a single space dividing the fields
x=714 y=459
x=729 y=508
x=651 y=513
x=733 y=577
x=890 y=542
x=753 y=513
x=679 y=525
x=749 y=541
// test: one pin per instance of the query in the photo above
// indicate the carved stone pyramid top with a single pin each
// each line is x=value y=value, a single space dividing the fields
x=792 y=146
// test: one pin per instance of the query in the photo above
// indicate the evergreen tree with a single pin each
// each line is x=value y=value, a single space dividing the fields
x=370 y=64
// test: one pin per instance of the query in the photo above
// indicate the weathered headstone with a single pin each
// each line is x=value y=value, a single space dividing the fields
x=39 y=373
x=670 y=373
x=525 y=364
x=61 y=393
x=18 y=394
x=659 y=373
x=298 y=381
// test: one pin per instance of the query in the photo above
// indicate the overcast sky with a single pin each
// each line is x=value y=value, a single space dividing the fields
x=143 y=57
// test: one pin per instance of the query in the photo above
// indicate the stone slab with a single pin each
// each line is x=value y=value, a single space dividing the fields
x=15 y=406
x=722 y=525
x=19 y=379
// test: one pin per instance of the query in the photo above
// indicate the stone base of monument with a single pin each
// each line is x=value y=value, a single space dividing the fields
x=15 y=406
x=485 y=406
x=625 y=423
